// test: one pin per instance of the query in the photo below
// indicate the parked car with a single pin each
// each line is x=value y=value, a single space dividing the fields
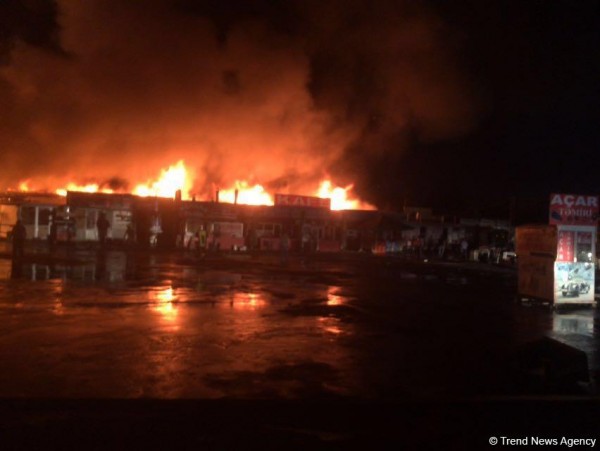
x=574 y=289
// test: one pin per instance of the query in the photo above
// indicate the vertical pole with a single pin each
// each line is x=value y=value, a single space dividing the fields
x=35 y=226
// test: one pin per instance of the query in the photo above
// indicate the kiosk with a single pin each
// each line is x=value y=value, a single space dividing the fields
x=556 y=261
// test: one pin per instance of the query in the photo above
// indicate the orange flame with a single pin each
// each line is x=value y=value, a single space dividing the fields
x=89 y=188
x=248 y=195
x=340 y=197
x=170 y=181
x=24 y=186
x=179 y=177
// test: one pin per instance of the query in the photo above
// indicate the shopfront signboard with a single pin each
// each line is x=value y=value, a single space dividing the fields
x=573 y=209
x=294 y=200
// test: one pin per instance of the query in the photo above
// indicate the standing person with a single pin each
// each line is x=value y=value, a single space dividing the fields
x=19 y=234
x=129 y=235
x=143 y=224
x=201 y=239
x=314 y=240
x=215 y=244
x=305 y=240
x=53 y=235
x=102 y=225
x=252 y=239
x=285 y=247
x=70 y=231
x=464 y=248
x=418 y=245
x=442 y=241
x=441 y=247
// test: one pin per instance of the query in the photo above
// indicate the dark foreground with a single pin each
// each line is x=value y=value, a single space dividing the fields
x=117 y=349
x=339 y=424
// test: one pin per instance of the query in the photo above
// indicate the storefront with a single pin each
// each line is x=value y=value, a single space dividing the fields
x=84 y=209
x=34 y=210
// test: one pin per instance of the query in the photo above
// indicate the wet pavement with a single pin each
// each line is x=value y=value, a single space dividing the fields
x=115 y=324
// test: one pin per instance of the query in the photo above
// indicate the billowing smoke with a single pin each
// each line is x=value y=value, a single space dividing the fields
x=277 y=94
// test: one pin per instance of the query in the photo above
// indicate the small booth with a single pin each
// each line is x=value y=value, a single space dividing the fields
x=83 y=209
x=556 y=261
x=34 y=209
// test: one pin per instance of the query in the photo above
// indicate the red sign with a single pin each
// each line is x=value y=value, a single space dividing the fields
x=573 y=209
x=566 y=246
x=302 y=201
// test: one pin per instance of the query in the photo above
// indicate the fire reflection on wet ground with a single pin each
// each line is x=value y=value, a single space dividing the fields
x=165 y=330
x=129 y=325
x=164 y=299
x=333 y=298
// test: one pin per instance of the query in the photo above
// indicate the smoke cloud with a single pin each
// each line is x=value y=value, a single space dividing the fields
x=275 y=94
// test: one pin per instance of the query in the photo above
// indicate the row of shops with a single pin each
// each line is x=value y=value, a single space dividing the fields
x=169 y=223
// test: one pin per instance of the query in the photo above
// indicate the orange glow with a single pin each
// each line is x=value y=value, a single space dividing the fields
x=340 y=197
x=248 y=195
x=333 y=298
x=164 y=303
x=24 y=186
x=179 y=177
x=330 y=325
x=58 y=289
x=90 y=188
x=249 y=301
x=170 y=181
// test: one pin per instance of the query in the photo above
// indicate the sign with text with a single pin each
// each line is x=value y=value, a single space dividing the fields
x=572 y=209
x=294 y=200
x=566 y=246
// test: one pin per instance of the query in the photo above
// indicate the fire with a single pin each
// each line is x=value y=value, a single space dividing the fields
x=24 y=186
x=89 y=188
x=256 y=195
x=340 y=197
x=178 y=177
x=170 y=181
x=248 y=195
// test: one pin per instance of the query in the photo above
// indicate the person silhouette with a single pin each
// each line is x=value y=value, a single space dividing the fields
x=19 y=235
x=102 y=225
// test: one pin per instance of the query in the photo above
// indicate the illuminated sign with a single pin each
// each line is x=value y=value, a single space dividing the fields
x=566 y=246
x=294 y=200
x=570 y=209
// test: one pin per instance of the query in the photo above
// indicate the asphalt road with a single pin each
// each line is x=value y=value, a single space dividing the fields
x=168 y=335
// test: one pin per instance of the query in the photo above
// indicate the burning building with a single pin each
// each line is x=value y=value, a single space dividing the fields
x=34 y=209
x=307 y=222
x=165 y=213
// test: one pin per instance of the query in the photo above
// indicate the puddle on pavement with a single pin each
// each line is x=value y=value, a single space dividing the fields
x=165 y=337
x=5 y=269
x=109 y=282
x=334 y=296
x=125 y=327
x=582 y=323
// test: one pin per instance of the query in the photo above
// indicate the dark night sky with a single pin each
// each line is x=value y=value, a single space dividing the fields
x=536 y=64
x=458 y=105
